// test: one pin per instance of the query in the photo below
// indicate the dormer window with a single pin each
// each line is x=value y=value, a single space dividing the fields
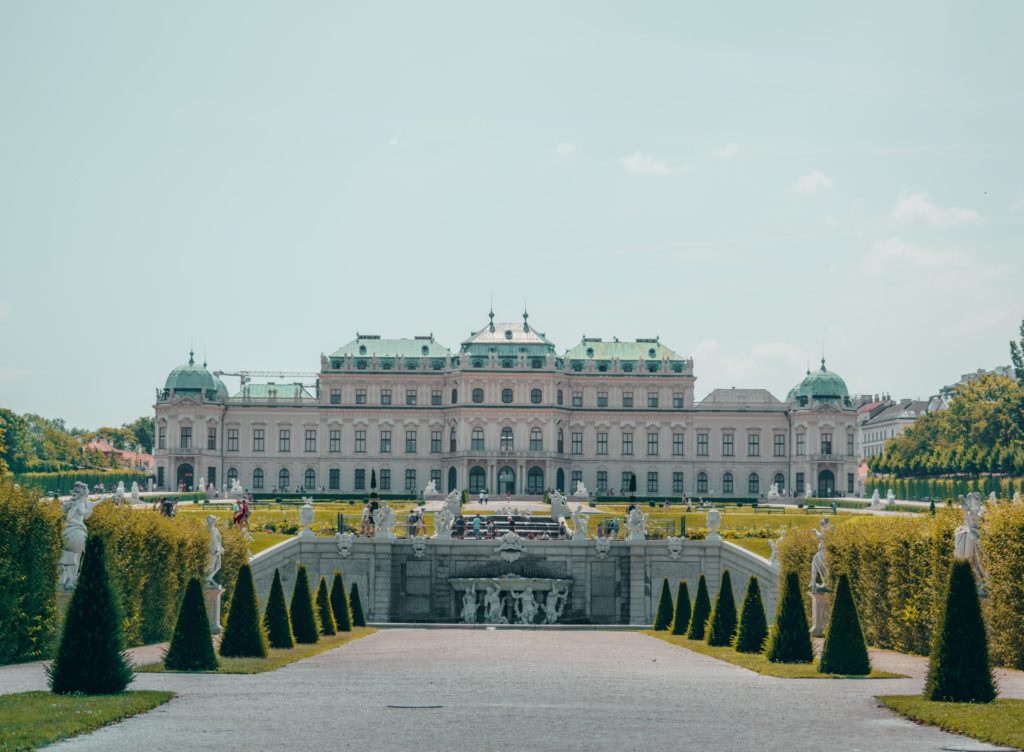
x=652 y=353
x=362 y=349
x=425 y=350
x=590 y=352
x=508 y=334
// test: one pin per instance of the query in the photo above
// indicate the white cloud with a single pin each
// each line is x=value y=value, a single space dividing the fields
x=896 y=255
x=914 y=208
x=396 y=139
x=725 y=152
x=564 y=150
x=777 y=363
x=813 y=183
x=644 y=164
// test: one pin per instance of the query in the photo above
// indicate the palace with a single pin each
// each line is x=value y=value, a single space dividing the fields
x=505 y=413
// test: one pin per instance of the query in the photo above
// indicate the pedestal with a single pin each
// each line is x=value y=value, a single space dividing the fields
x=212 y=597
x=820 y=603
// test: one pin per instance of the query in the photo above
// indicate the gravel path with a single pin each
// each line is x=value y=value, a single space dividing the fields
x=511 y=690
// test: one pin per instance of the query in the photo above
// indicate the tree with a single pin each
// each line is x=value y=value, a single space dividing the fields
x=91 y=657
x=958 y=668
x=845 y=651
x=275 y=616
x=373 y=484
x=358 y=620
x=144 y=430
x=681 y=620
x=339 y=604
x=722 y=626
x=243 y=635
x=663 y=619
x=753 y=629
x=1017 y=355
x=323 y=607
x=191 y=647
x=701 y=611
x=789 y=640
x=304 y=625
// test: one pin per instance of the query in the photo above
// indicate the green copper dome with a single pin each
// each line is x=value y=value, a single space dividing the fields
x=189 y=378
x=821 y=385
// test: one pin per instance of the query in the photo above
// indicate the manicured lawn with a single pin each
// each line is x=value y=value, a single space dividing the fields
x=759 y=546
x=275 y=658
x=757 y=661
x=1000 y=722
x=33 y=719
x=262 y=541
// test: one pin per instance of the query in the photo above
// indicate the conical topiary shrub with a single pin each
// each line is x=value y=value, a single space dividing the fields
x=681 y=619
x=663 y=619
x=959 y=669
x=844 y=651
x=356 y=606
x=275 y=616
x=722 y=627
x=323 y=609
x=304 y=626
x=191 y=647
x=90 y=658
x=339 y=604
x=790 y=640
x=753 y=629
x=701 y=611
x=243 y=634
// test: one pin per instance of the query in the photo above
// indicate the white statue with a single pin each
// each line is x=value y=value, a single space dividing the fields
x=559 y=506
x=307 y=515
x=443 y=522
x=214 y=552
x=525 y=606
x=236 y=489
x=636 y=523
x=430 y=489
x=201 y=485
x=469 y=607
x=119 y=492
x=675 y=546
x=581 y=491
x=966 y=544
x=992 y=498
x=150 y=484
x=1017 y=498
x=554 y=603
x=774 y=561
x=773 y=491
x=807 y=490
x=714 y=522
x=493 y=609
x=579 y=525
x=890 y=498
x=345 y=541
x=384 y=521
x=876 y=500
x=135 y=492
x=819 y=567
x=603 y=546
x=77 y=510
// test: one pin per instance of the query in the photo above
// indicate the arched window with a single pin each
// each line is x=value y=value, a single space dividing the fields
x=477 y=444
x=536 y=396
x=702 y=482
x=257 y=478
x=727 y=483
x=232 y=476
x=283 y=479
x=506 y=480
x=536 y=441
x=477 y=480
x=506 y=439
x=309 y=479
x=478 y=395
x=753 y=484
x=780 y=482
x=535 y=481
x=561 y=441
x=451 y=441
x=455 y=396
x=506 y=396
x=559 y=400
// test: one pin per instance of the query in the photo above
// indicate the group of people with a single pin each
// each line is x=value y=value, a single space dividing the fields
x=241 y=510
x=416 y=525
x=166 y=507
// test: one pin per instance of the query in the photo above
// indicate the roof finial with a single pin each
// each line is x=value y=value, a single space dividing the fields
x=191 y=353
x=490 y=315
x=204 y=357
x=808 y=366
x=526 y=315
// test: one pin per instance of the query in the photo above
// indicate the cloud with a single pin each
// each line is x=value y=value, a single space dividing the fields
x=396 y=139
x=564 y=150
x=765 y=364
x=813 y=183
x=917 y=208
x=644 y=164
x=725 y=152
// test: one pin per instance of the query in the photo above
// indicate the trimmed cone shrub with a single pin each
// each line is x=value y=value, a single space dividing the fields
x=304 y=625
x=790 y=639
x=191 y=647
x=663 y=619
x=243 y=634
x=701 y=611
x=845 y=651
x=722 y=627
x=275 y=616
x=959 y=670
x=753 y=622
x=681 y=620
x=91 y=657
x=356 y=606
x=339 y=604
x=323 y=608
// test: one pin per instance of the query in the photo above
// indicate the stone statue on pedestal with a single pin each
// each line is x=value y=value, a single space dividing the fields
x=430 y=490
x=819 y=566
x=808 y=492
x=773 y=492
x=469 y=607
x=714 y=522
x=636 y=523
x=493 y=609
x=135 y=492
x=119 y=492
x=579 y=525
x=966 y=539
x=307 y=515
x=214 y=552
x=554 y=603
x=525 y=606
x=774 y=561
x=77 y=510
x=581 y=491
x=384 y=521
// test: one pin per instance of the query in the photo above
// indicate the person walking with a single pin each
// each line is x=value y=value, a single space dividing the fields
x=476 y=527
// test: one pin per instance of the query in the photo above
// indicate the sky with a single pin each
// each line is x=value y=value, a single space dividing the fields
x=753 y=183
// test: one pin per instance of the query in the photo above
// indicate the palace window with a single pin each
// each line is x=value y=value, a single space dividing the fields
x=283 y=479
x=435 y=442
x=799 y=483
x=385 y=396
x=849 y=483
x=310 y=439
x=435 y=397
x=359 y=480
x=185 y=436
x=385 y=442
x=435 y=476
x=360 y=442
x=257 y=439
x=575 y=477
x=410 y=480
x=476 y=442
x=576 y=440
x=780 y=445
x=478 y=395
x=334 y=439
x=455 y=396
x=727 y=484
x=335 y=396
x=628 y=482
x=677 y=444
x=577 y=399
x=780 y=482
x=451 y=442
x=232 y=439
x=702 y=445
x=652 y=399
x=602 y=481
x=410 y=442
x=801 y=445
x=652 y=445
x=385 y=480
x=753 y=484
x=652 y=481
x=602 y=442
x=505 y=444
x=410 y=396
x=678 y=486
x=849 y=445
x=602 y=399
x=702 y=482
x=627 y=399
x=309 y=480
x=559 y=395
x=211 y=437
x=826 y=443
x=535 y=481
x=536 y=396
x=627 y=444
x=753 y=445
x=561 y=441
x=360 y=396
x=232 y=476
x=257 y=478
x=284 y=440
x=536 y=440
x=728 y=448
x=506 y=396
x=678 y=401
x=334 y=479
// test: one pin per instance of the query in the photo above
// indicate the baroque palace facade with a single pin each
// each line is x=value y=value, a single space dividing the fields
x=505 y=414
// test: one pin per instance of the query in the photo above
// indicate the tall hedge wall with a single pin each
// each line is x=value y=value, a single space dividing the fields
x=64 y=482
x=30 y=546
x=918 y=489
x=897 y=567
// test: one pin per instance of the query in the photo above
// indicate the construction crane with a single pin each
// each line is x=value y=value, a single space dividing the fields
x=246 y=376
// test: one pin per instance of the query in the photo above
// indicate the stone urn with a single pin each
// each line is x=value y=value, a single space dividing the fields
x=306 y=517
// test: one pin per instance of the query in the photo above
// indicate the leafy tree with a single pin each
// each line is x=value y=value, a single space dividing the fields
x=722 y=627
x=303 y=619
x=1017 y=355
x=753 y=629
x=243 y=635
x=339 y=604
x=789 y=640
x=701 y=611
x=323 y=607
x=845 y=651
x=663 y=619
x=275 y=616
x=958 y=668
x=144 y=430
x=91 y=657
x=681 y=620
x=358 y=620
x=191 y=647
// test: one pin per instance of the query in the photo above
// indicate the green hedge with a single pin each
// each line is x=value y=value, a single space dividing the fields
x=923 y=489
x=64 y=482
x=30 y=546
x=1003 y=549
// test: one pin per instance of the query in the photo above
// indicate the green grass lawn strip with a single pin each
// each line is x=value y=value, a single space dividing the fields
x=275 y=658
x=1000 y=722
x=33 y=719
x=757 y=661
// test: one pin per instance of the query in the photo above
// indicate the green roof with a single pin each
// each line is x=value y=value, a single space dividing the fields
x=822 y=385
x=189 y=378
x=372 y=345
x=508 y=340
x=261 y=392
x=597 y=349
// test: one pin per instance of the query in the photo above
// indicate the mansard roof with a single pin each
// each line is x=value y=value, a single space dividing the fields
x=508 y=339
x=734 y=398
x=640 y=349
x=375 y=346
